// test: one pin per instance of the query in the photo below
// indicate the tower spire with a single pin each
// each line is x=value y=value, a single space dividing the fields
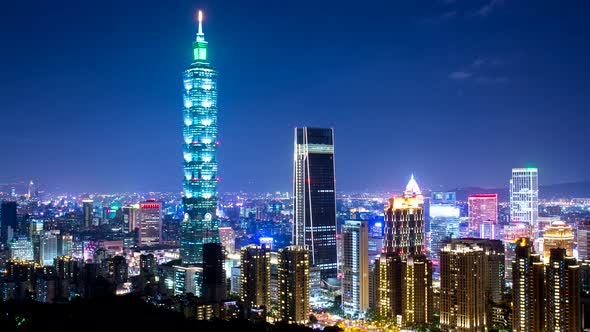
x=200 y=34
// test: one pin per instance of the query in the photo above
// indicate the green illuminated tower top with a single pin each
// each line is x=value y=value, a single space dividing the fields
x=200 y=45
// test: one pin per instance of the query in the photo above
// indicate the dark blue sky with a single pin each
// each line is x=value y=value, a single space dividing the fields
x=457 y=92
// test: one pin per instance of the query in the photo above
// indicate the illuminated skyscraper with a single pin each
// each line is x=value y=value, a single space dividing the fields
x=200 y=224
x=462 y=288
x=293 y=284
x=355 y=267
x=558 y=235
x=527 y=289
x=444 y=223
x=47 y=247
x=228 y=239
x=150 y=223
x=483 y=208
x=404 y=237
x=21 y=248
x=417 y=302
x=88 y=209
x=562 y=279
x=524 y=196
x=404 y=222
x=130 y=217
x=314 y=207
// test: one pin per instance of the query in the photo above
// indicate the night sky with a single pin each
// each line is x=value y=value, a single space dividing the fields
x=456 y=91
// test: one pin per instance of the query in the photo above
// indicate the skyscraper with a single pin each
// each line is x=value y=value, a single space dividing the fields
x=130 y=217
x=355 y=267
x=88 y=210
x=228 y=239
x=21 y=248
x=293 y=284
x=483 y=208
x=150 y=223
x=47 y=247
x=200 y=224
x=255 y=277
x=462 y=288
x=558 y=235
x=524 y=196
x=404 y=222
x=314 y=196
x=444 y=223
x=583 y=236
x=562 y=277
x=8 y=220
x=213 y=273
x=527 y=289
x=417 y=302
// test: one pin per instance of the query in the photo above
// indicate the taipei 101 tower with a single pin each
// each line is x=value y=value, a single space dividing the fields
x=199 y=131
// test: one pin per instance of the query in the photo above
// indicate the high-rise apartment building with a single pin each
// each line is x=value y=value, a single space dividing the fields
x=255 y=277
x=483 y=209
x=200 y=224
x=558 y=235
x=417 y=301
x=524 y=196
x=150 y=223
x=314 y=197
x=528 y=294
x=462 y=288
x=293 y=284
x=562 y=280
x=355 y=267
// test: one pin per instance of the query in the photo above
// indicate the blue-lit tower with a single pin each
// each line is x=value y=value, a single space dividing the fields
x=200 y=224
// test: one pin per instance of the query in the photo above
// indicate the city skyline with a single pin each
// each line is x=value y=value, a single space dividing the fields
x=477 y=96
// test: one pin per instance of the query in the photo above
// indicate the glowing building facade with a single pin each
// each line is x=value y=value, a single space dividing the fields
x=200 y=224
x=524 y=196
x=558 y=235
x=355 y=267
x=314 y=197
x=150 y=223
x=417 y=301
x=483 y=209
x=562 y=279
x=255 y=277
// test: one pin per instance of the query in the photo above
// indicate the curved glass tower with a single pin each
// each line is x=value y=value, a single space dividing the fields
x=200 y=224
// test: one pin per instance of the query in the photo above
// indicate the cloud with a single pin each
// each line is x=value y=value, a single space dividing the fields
x=444 y=17
x=492 y=80
x=488 y=8
x=482 y=70
x=460 y=75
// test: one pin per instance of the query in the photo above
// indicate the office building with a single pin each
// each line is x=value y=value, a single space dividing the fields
x=355 y=268
x=228 y=239
x=200 y=224
x=187 y=279
x=213 y=273
x=483 y=208
x=528 y=294
x=562 y=280
x=444 y=225
x=404 y=222
x=255 y=277
x=130 y=218
x=293 y=284
x=558 y=235
x=150 y=223
x=65 y=244
x=21 y=248
x=417 y=296
x=314 y=197
x=462 y=287
x=88 y=212
x=524 y=196
x=47 y=247
x=8 y=221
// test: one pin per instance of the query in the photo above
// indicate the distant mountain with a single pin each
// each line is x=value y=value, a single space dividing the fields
x=552 y=191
